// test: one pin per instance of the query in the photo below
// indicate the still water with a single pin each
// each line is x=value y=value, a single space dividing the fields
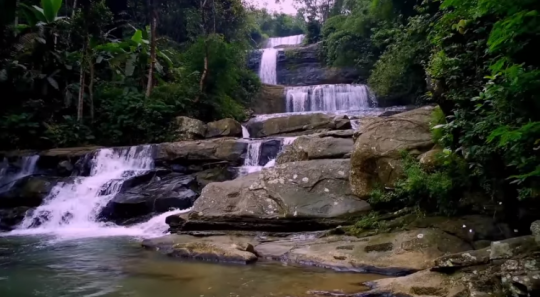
x=118 y=266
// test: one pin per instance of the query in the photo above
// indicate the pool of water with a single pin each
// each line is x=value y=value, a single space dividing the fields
x=118 y=266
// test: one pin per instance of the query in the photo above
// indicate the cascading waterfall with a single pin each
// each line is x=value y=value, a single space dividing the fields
x=329 y=98
x=7 y=179
x=268 y=66
x=73 y=207
x=245 y=133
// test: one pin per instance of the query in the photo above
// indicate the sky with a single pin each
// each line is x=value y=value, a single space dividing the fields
x=285 y=6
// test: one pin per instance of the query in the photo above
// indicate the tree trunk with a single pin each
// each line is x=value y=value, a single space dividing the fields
x=82 y=78
x=205 y=66
x=91 y=88
x=74 y=8
x=153 y=25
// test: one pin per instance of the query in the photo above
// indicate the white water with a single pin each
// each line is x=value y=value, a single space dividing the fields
x=328 y=98
x=251 y=163
x=245 y=132
x=267 y=70
x=72 y=208
x=284 y=142
x=288 y=40
x=28 y=166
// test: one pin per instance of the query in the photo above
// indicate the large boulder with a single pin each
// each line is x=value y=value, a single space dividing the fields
x=302 y=66
x=270 y=99
x=28 y=191
x=160 y=194
x=189 y=129
x=259 y=128
x=306 y=195
x=229 y=150
x=315 y=147
x=11 y=217
x=224 y=128
x=376 y=157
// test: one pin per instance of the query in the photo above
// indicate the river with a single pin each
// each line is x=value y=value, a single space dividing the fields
x=117 y=266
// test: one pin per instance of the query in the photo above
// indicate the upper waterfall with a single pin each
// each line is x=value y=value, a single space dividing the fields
x=268 y=65
x=287 y=40
x=329 y=98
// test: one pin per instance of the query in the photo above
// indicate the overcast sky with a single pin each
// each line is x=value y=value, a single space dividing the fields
x=285 y=6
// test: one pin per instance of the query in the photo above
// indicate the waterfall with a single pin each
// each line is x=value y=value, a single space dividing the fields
x=74 y=206
x=328 y=98
x=27 y=167
x=284 y=142
x=245 y=132
x=288 y=40
x=267 y=71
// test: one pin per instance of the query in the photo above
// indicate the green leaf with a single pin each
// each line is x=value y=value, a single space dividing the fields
x=57 y=4
x=48 y=10
x=39 y=13
x=137 y=37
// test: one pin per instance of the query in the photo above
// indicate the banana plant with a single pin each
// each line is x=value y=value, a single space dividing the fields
x=46 y=14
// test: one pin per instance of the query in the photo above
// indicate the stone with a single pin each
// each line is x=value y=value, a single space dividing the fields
x=160 y=194
x=298 y=196
x=302 y=66
x=224 y=128
x=521 y=277
x=269 y=151
x=289 y=123
x=189 y=129
x=535 y=229
x=215 y=174
x=430 y=159
x=28 y=191
x=313 y=147
x=64 y=168
x=342 y=122
x=509 y=248
x=229 y=150
x=376 y=158
x=270 y=99
x=460 y=260
x=9 y=218
x=337 y=133
x=398 y=253
x=212 y=249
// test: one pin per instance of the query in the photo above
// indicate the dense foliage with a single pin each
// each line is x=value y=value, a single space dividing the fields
x=266 y=24
x=477 y=60
x=118 y=72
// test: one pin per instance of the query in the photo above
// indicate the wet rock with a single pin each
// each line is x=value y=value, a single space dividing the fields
x=398 y=253
x=460 y=260
x=11 y=217
x=204 y=151
x=224 y=128
x=64 y=168
x=376 y=157
x=173 y=191
x=290 y=123
x=189 y=129
x=212 y=249
x=301 y=66
x=269 y=151
x=50 y=159
x=215 y=174
x=310 y=193
x=313 y=147
x=270 y=99
x=28 y=191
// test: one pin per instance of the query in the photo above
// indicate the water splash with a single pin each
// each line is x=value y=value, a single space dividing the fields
x=75 y=206
x=329 y=98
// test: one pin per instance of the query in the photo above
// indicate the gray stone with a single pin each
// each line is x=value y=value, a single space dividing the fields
x=290 y=123
x=513 y=247
x=376 y=157
x=214 y=150
x=270 y=99
x=314 y=147
x=189 y=129
x=224 y=128
x=535 y=229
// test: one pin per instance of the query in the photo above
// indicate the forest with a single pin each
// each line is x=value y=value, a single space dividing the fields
x=117 y=73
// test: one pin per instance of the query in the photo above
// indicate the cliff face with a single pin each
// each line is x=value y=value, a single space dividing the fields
x=302 y=66
x=270 y=99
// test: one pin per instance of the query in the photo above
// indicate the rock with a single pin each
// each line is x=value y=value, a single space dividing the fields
x=269 y=151
x=535 y=229
x=213 y=249
x=254 y=60
x=460 y=260
x=430 y=159
x=176 y=222
x=302 y=66
x=294 y=196
x=189 y=129
x=213 y=150
x=521 y=277
x=270 y=99
x=342 y=122
x=28 y=191
x=224 y=128
x=49 y=160
x=11 y=217
x=215 y=174
x=289 y=123
x=338 y=134
x=64 y=168
x=313 y=147
x=376 y=157
x=158 y=195
x=509 y=248
x=423 y=283
x=399 y=253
